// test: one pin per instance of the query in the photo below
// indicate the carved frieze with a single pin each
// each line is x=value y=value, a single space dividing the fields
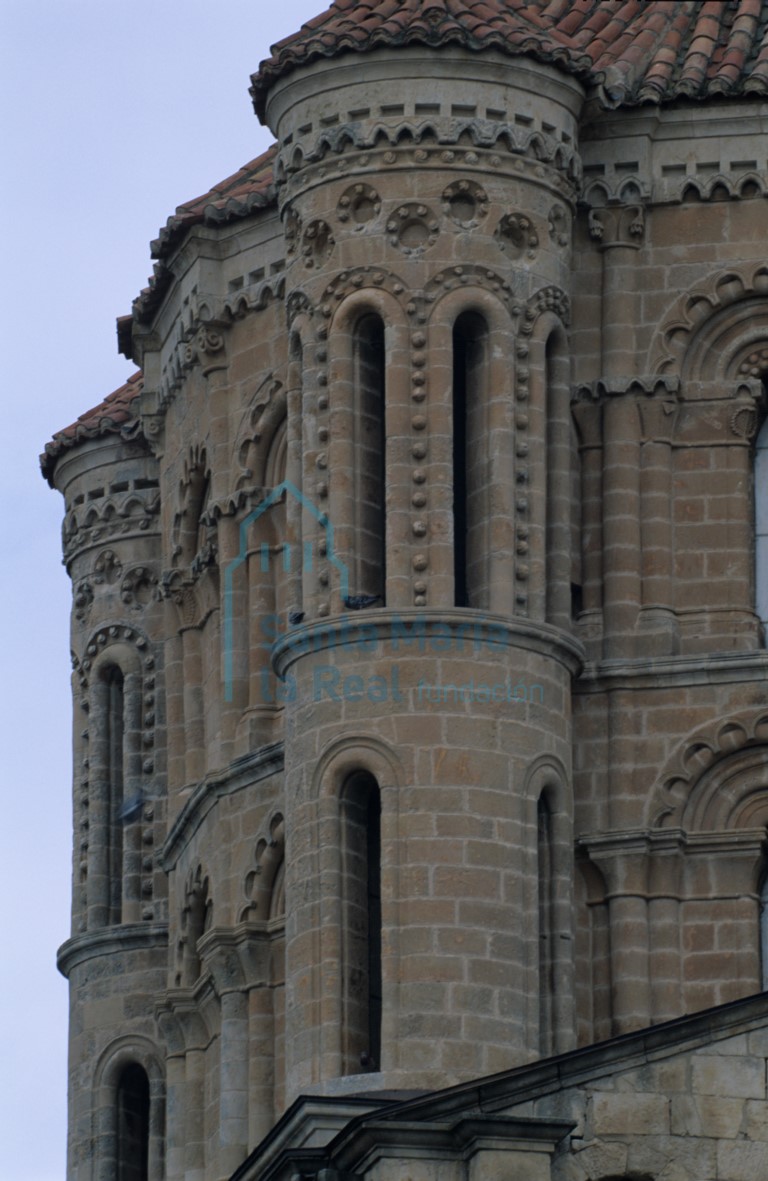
x=426 y=142
x=113 y=518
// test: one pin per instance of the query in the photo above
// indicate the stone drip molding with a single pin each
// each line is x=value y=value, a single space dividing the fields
x=263 y=897
x=244 y=773
x=718 y=187
x=604 y=192
x=104 y=638
x=658 y=190
x=705 y=747
x=259 y=427
x=647 y=385
x=723 y=289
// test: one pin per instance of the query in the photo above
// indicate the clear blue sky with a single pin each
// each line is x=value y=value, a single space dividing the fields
x=112 y=115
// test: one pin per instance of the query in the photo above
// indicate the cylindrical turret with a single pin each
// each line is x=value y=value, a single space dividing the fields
x=427 y=901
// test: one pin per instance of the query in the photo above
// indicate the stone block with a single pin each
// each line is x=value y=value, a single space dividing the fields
x=706 y=1115
x=640 y=1113
x=740 y=1161
x=728 y=1077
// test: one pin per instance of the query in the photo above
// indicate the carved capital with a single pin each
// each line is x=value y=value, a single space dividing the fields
x=617 y=225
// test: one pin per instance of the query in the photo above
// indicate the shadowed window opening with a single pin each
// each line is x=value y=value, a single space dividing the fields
x=361 y=815
x=370 y=457
x=470 y=462
x=115 y=724
x=546 y=925
x=133 y=1125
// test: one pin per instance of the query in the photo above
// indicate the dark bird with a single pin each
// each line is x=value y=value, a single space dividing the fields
x=131 y=808
x=357 y=602
x=295 y=617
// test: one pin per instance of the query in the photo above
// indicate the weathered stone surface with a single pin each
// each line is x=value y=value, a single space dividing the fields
x=419 y=588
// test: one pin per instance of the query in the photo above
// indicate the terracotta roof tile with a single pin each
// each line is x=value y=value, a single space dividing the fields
x=720 y=45
x=112 y=415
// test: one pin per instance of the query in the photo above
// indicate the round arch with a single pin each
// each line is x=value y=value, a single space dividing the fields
x=123 y=1054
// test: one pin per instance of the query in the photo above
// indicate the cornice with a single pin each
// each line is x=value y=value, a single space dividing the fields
x=414 y=629
x=118 y=940
x=662 y=672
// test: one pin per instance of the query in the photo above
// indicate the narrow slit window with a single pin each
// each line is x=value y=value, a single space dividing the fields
x=370 y=457
x=471 y=472
x=115 y=722
x=133 y=1125
x=545 y=924
x=361 y=804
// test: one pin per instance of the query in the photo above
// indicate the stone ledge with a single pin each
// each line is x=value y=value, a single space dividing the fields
x=110 y=941
x=710 y=668
x=416 y=626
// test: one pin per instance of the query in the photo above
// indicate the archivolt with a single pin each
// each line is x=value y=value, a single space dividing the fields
x=708 y=330
x=718 y=780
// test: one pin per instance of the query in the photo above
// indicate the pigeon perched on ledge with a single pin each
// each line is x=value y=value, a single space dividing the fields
x=357 y=602
x=295 y=617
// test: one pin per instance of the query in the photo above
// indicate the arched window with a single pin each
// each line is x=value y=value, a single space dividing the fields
x=115 y=734
x=546 y=926
x=471 y=468
x=133 y=1124
x=369 y=501
x=361 y=877
x=761 y=527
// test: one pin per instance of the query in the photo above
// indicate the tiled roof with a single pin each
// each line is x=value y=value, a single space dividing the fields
x=248 y=189
x=638 y=50
x=110 y=416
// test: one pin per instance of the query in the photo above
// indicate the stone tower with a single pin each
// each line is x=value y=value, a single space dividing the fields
x=420 y=710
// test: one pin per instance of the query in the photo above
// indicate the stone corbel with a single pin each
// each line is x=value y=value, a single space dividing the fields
x=622 y=858
x=220 y=956
x=184 y=1018
x=206 y=348
x=238 y=958
x=617 y=225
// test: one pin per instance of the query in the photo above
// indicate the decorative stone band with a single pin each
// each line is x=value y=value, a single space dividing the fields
x=411 y=629
x=122 y=940
x=440 y=140
x=649 y=385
